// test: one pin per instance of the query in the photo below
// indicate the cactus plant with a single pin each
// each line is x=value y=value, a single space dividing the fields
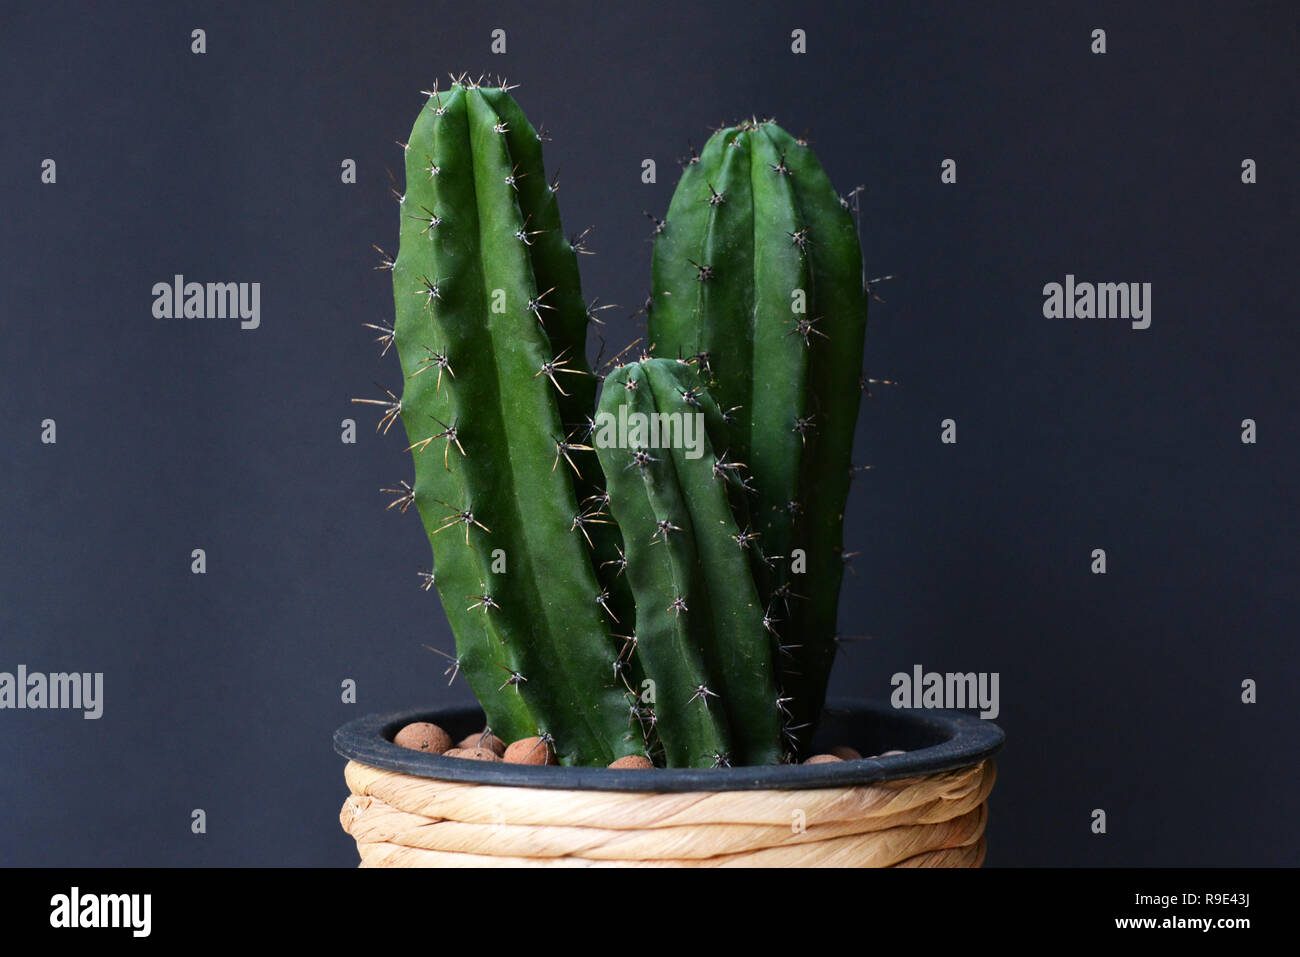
x=490 y=330
x=699 y=634
x=610 y=598
x=758 y=280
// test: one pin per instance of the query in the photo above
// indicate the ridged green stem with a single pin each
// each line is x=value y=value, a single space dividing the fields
x=699 y=629
x=758 y=278
x=481 y=258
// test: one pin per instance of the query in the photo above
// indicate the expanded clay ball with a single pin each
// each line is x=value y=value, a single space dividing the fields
x=632 y=761
x=823 y=759
x=480 y=739
x=423 y=736
x=529 y=751
x=472 y=754
x=845 y=753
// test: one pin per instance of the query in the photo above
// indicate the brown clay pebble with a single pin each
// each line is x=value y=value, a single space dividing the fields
x=472 y=754
x=845 y=753
x=422 y=736
x=529 y=751
x=480 y=740
x=823 y=759
x=632 y=761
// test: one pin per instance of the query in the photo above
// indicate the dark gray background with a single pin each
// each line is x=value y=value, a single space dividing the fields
x=1118 y=691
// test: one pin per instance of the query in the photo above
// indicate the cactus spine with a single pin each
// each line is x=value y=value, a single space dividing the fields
x=699 y=629
x=757 y=277
x=491 y=331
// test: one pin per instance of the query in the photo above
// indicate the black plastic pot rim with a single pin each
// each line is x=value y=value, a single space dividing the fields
x=946 y=739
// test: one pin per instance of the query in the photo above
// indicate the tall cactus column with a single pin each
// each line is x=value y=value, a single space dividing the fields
x=490 y=331
x=758 y=280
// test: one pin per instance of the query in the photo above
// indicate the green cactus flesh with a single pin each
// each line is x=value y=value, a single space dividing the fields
x=490 y=330
x=758 y=280
x=699 y=621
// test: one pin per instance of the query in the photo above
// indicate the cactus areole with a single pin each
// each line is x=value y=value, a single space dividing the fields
x=655 y=574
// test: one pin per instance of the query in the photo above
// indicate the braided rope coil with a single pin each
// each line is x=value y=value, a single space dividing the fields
x=399 y=820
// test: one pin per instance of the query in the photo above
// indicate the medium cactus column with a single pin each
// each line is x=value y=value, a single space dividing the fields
x=699 y=631
x=490 y=330
x=758 y=281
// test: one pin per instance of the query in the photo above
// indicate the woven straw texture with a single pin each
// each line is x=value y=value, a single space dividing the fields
x=403 y=821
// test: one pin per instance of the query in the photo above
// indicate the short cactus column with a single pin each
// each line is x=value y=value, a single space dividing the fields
x=699 y=622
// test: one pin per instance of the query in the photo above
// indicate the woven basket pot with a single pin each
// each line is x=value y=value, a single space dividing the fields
x=923 y=808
